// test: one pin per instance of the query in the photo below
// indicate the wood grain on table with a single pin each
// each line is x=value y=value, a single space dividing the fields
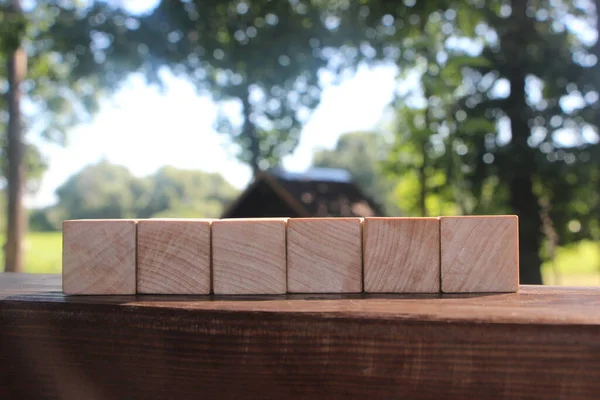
x=542 y=343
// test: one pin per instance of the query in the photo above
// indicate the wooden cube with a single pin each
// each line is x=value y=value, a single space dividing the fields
x=173 y=256
x=479 y=254
x=324 y=255
x=401 y=255
x=249 y=256
x=99 y=256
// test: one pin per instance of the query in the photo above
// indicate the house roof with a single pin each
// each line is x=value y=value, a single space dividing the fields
x=313 y=195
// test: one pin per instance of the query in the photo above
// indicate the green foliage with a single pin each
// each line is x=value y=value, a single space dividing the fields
x=422 y=148
x=105 y=190
x=203 y=209
x=171 y=192
x=500 y=82
x=102 y=190
x=406 y=196
x=40 y=220
x=263 y=55
x=544 y=65
x=500 y=152
x=12 y=28
x=76 y=55
x=35 y=165
x=359 y=153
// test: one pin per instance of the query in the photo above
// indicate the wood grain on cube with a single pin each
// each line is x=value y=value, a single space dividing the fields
x=249 y=256
x=401 y=255
x=99 y=256
x=324 y=255
x=173 y=256
x=479 y=254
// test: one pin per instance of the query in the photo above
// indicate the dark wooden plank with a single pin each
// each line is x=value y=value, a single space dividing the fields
x=539 y=343
x=532 y=304
x=19 y=284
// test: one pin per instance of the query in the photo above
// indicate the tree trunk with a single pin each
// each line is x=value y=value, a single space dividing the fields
x=596 y=76
x=423 y=168
x=15 y=229
x=249 y=132
x=596 y=49
x=423 y=186
x=523 y=200
x=597 y=45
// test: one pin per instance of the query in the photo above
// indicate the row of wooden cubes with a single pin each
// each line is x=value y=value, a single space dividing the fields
x=297 y=255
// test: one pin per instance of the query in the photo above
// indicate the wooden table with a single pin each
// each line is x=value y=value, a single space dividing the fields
x=543 y=342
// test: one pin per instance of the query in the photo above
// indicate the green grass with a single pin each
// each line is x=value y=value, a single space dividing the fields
x=577 y=264
x=43 y=253
x=572 y=280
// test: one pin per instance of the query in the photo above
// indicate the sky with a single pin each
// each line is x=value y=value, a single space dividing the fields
x=143 y=129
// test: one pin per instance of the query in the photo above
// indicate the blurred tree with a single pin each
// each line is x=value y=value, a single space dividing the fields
x=594 y=222
x=16 y=69
x=101 y=190
x=423 y=149
x=46 y=219
x=529 y=89
x=76 y=53
x=185 y=193
x=35 y=166
x=106 y=190
x=261 y=55
x=523 y=85
x=421 y=171
x=360 y=154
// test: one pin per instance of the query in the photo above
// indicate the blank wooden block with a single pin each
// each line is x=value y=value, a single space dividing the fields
x=479 y=254
x=324 y=255
x=249 y=256
x=173 y=256
x=99 y=256
x=401 y=255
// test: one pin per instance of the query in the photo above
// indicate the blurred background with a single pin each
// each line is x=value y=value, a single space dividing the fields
x=230 y=108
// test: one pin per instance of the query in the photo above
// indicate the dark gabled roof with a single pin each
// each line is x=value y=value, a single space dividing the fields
x=322 y=198
x=309 y=197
